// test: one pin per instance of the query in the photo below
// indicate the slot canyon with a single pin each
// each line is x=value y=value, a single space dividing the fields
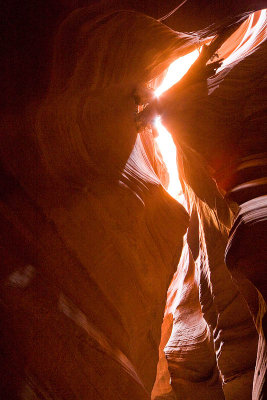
x=133 y=207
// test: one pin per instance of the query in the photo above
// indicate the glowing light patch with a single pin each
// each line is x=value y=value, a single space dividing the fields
x=168 y=151
x=249 y=35
x=251 y=31
x=164 y=139
x=176 y=71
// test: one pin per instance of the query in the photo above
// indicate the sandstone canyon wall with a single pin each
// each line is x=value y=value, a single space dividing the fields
x=93 y=247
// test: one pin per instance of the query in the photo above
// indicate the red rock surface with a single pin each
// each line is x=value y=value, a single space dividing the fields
x=90 y=239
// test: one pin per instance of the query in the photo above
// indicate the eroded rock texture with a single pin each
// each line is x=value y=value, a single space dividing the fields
x=91 y=240
x=224 y=135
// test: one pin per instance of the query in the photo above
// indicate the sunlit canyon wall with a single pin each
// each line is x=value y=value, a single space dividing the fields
x=96 y=253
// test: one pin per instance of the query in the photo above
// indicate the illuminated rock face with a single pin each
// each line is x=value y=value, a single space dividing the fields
x=92 y=240
x=85 y=281
x=231 y=150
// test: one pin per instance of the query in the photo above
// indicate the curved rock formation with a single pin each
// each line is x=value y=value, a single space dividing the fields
x=100 y=235
x=90 y=239
x=222 y=126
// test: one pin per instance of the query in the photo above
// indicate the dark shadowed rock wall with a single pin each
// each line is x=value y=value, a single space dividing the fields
x=90 y=239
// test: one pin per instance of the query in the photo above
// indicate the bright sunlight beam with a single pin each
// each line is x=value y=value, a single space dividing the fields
x=164 y=139
x=176 y=71
x=250 y=34
x=168 y=151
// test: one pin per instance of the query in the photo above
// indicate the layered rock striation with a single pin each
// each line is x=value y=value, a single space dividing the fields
x=91 y=240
